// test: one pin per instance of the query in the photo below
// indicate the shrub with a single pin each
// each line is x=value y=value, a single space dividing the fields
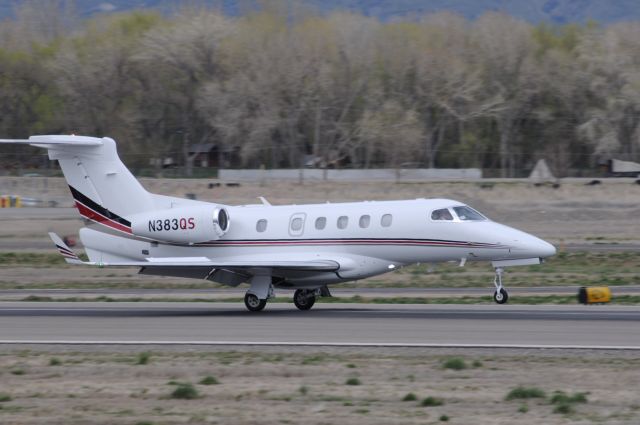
x=431 y=401
x=18 y=371
x=410 y=397
x=563 y=408
x=353 y=381
x=5 y=397
x=523 y=409
x=185 y=391
x=523 y=393
x=143 y=358
x=54 y=361
x=560 y=397
x=455 y=363
x=209 y=380
x=303 y=390
x=444 y=418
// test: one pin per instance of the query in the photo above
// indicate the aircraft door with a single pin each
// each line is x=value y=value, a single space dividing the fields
x=296 y=224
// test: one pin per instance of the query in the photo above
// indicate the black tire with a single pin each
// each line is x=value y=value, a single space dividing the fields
x=253 y=303
x=502 y=298
x=304 y=299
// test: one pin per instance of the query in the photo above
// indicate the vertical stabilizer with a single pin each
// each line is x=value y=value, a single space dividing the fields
x=104 y=190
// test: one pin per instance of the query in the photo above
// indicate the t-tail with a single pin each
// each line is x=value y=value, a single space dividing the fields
x=103 y=189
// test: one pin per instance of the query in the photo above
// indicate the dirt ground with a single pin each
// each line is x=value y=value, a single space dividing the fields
x=273 y=386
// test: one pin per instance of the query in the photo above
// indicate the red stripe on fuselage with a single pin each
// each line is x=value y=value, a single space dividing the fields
x=99 y=218
x=406 y=242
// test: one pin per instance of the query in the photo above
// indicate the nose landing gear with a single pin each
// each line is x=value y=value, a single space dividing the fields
x=500 y=296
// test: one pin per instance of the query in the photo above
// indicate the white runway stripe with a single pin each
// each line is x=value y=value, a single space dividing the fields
x=321 y=344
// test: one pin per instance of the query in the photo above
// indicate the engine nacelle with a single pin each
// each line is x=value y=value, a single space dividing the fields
x=182 y=225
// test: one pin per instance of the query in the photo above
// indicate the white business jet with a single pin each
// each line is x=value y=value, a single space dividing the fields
x=301 y=247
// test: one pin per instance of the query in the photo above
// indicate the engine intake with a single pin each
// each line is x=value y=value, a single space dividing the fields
x=182 y=225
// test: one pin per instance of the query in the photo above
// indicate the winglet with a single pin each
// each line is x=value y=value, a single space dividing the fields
x=66 y=252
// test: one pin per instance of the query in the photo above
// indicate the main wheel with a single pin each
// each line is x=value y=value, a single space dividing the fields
x=304 y=299
x=501 y=297
x=253 y=303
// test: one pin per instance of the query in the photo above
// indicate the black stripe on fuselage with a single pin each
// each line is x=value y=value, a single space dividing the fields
x=80 y=197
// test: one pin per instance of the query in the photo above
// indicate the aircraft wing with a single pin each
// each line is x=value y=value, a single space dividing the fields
x=310 y=265
x=319 y=265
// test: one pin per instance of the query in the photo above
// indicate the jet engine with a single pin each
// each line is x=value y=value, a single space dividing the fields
x=182 y=225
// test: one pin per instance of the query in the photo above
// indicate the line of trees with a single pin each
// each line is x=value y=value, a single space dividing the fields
x=277 y=87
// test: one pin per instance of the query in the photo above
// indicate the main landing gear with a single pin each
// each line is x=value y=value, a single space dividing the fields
x=304 y=299
x=500 y=296
x=253 y=303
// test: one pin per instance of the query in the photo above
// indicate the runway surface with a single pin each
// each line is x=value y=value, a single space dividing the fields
x=214 y=294
x=546 y=326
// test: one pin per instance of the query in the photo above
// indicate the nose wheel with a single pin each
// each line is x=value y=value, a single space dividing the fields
x=500 y=296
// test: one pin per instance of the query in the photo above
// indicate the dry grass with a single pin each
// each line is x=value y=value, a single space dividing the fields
x=276 y=386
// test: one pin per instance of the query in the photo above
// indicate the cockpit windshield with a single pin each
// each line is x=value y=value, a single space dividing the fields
x=468 y=214
x=442 y=214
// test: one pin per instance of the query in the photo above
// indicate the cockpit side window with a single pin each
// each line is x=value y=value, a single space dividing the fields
x=442 y=214
x=468 y=214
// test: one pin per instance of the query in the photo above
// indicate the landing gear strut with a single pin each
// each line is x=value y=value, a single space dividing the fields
x=304 y=299
x=500 y=296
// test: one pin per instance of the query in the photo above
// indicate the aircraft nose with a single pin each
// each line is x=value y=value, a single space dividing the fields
x=544 y=249
x=533 y=247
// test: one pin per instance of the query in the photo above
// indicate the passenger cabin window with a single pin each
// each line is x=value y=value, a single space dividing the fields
x=386 y=220
x=364 y=221
x=296 y=224
x=261 y=225
x=442 y=215
x=321 y=222
x=468 y=214
x=343 y=220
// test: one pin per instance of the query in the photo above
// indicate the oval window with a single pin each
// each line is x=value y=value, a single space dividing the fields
x=261 y=225
x=321 y=222
x=296 y=224
x=343 y=221
x=364 y=221
x=386 y=220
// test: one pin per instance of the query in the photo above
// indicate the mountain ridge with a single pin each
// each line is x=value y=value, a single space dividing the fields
x=533 y=11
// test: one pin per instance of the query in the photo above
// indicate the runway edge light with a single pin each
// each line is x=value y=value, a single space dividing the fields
x=595 y=295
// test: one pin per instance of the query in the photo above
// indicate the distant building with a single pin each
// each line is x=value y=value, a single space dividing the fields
x=209 y=155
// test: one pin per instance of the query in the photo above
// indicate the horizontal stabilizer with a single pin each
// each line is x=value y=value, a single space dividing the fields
x=69 y=256
x=56 y=140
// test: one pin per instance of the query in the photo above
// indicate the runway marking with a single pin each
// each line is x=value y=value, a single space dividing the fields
x=324 y=344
